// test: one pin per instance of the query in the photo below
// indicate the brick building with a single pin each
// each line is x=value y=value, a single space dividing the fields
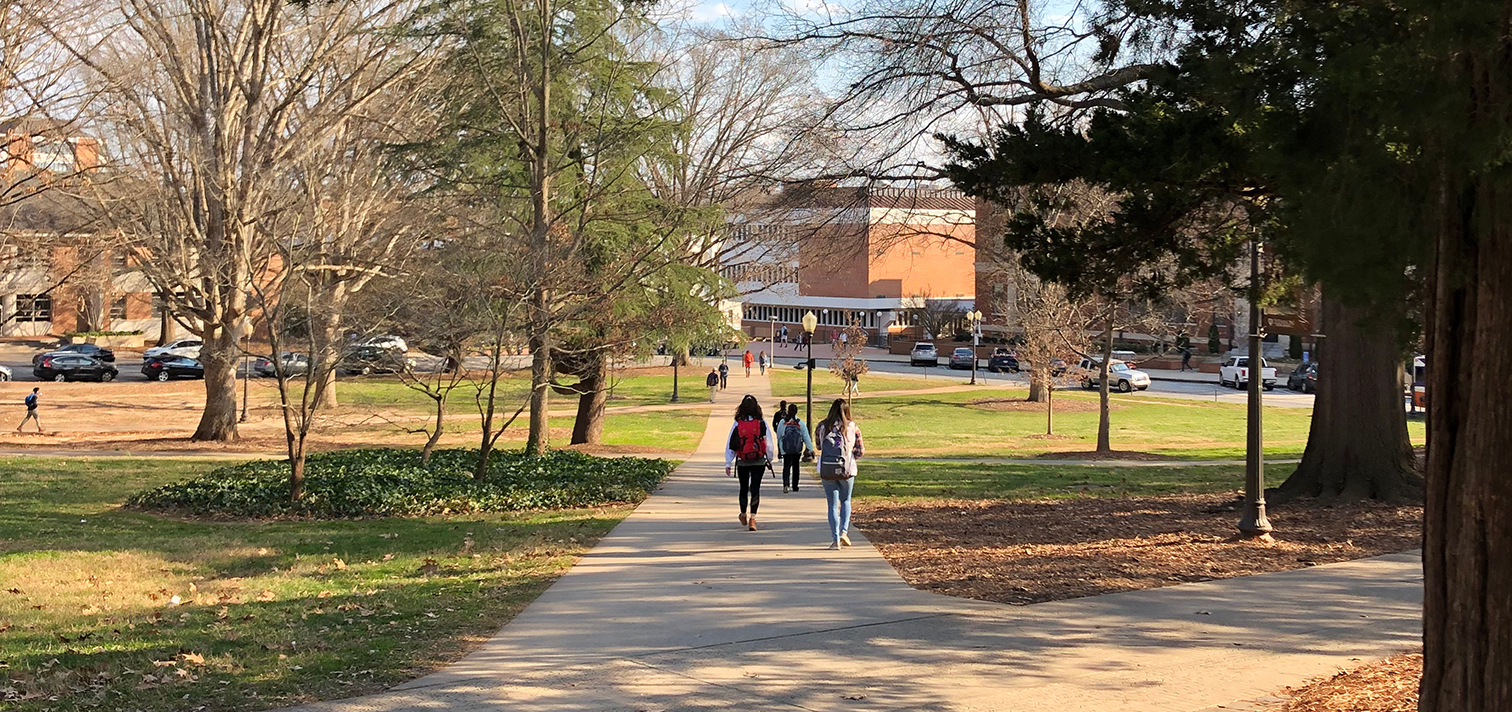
x=873 y=254
x=58 y=273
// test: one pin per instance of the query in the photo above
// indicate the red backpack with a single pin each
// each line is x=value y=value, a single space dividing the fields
x=748 y=442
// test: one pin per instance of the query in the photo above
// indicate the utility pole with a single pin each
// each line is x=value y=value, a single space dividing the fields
x=1253 y=523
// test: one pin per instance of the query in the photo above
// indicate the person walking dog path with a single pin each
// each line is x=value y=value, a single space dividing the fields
x=679 y=609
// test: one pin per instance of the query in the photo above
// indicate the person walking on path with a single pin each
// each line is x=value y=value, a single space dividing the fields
x=724 y=375
x=840 y=446
x=748 y=360
x=750 y=449
x=31 y=411
x=712 y=382
x=794 y=440
x=779 y=416
x=783 y=335
x=761 y=361
x=1186 y=360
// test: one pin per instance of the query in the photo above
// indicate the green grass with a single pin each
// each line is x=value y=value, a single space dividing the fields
x=630 y=388
x=788 y=382
x=948 y=424
x=920 y=480
x=269 y=614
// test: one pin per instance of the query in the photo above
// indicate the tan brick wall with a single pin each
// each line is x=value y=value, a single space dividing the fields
x=910 y=261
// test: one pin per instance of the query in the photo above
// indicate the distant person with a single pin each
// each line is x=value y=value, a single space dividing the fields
x=1186 y=359
x=724 y=375
x=779 y=416
x=761 y=361
x=31 y=411
x=750 y=449
x=840 y=446
x=794 y=440
x=712 y=382
x=783 y=334
x=844 y=337
x=748 y=360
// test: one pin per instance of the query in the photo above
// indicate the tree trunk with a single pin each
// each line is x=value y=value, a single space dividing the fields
x=1104 y=423
x=539 y=439
x=588 y=428
x=332 y=345
x=1037 y=388
x=1467 y=536
x=435 y=436
x=218 y=420
x=296 y=476
x=1049 y=391
x=1357 y=447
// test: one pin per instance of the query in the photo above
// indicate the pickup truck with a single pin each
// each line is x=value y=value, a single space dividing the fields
x=1235 y=372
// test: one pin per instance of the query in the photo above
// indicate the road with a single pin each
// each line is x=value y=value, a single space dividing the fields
x=1158 y=388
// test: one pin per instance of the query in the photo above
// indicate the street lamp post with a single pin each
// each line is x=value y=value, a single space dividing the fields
x=246 y=330
x=976 y=339
x=810 y=322
x=1253 y=522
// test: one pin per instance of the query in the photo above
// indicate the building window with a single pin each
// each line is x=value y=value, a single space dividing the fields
x=118 y=308
x=33 y=307
x=53 y=156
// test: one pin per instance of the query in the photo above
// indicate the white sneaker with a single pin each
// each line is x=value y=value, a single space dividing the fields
x=834 y=545
x=784 y=489
x=845 y=539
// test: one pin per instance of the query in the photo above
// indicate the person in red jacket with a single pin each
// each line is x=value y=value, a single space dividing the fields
x=750 y=451
x=748 y=359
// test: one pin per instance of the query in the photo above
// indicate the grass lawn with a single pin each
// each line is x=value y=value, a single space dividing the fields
x=788 y=382
x=950 y=425
x=924 y=480
x=637 y=387
x=104 y=609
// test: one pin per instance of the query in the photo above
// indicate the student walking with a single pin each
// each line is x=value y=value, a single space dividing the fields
x=750 y=450
x=794 y=440
x=761 y=360
x=712 y=382
x=839 y=447
x=779 y=416
x=748 y=360
x=1186 y=359
x=724 y=375
x=31 y=411
x=783 y=335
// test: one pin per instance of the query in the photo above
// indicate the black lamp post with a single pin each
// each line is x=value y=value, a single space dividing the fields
x=810 y=322
x=976 y=338
x=1253 y=522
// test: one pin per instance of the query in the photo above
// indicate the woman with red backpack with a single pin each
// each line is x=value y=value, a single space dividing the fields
x=839 y=446
x=750 y=449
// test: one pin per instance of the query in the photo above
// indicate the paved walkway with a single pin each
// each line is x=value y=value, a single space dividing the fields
x=681 y=609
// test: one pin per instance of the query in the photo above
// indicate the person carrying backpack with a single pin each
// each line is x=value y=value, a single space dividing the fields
x=712 y=382
x=751 y=449
x=778 y=417
x=724 y=375
x=31 y=411
x=839 y=447
x=794 y=440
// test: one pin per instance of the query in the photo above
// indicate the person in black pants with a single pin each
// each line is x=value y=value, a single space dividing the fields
x=793 y=444
x=750 y=449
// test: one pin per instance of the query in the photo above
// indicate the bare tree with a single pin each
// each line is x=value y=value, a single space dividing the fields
x=847 y=364
x=1054 y=331
x=210 y=105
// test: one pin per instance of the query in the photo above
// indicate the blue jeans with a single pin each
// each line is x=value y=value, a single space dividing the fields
x=838 y=493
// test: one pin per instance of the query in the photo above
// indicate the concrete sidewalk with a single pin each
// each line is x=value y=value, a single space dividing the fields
x=679 y=608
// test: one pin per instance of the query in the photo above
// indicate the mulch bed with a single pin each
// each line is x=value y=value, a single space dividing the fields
x=1389 y=685
x=1022 y=552
x=1024 y=405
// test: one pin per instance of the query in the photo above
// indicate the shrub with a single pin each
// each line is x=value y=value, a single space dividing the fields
x=391 y=482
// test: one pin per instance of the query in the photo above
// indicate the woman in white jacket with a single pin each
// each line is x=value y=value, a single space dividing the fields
x=750 y=450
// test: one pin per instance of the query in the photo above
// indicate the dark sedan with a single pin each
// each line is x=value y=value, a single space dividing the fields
x=1304 y=378
x=73 y=367
x=1003 y=361
x=162 y=368
x=90 y=350
x=962 y=358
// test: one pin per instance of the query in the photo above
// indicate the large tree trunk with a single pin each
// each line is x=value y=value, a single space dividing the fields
x=218 y=420
x=1037 y=390
x=1467 y=542
x=539 y=439
x=1104 y=423
x=588 y=428
x=331 y=343
x=1357 y=447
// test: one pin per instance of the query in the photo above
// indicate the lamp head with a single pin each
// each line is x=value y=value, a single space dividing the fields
x=810 y=321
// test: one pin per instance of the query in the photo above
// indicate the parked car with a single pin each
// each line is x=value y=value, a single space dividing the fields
x=1121 y=376
x=177 y=347
x=923 y=354
x=384 y=341
x=74 y=367
x=962 y=358
x=1003 y=360
x=1235 y=372
x=162 y=368
x=292 y=363
x=366 y=360
x=1304 y=378
x=5 y=374
x=90 y=350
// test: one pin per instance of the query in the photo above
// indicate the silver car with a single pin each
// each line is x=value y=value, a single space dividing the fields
x=923 y=354
x=1121 y=376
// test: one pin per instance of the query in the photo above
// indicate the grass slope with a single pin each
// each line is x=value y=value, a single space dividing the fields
x=107 y=609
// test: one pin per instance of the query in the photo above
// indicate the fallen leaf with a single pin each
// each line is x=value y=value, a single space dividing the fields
x=265 y=596
x=339 y=564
